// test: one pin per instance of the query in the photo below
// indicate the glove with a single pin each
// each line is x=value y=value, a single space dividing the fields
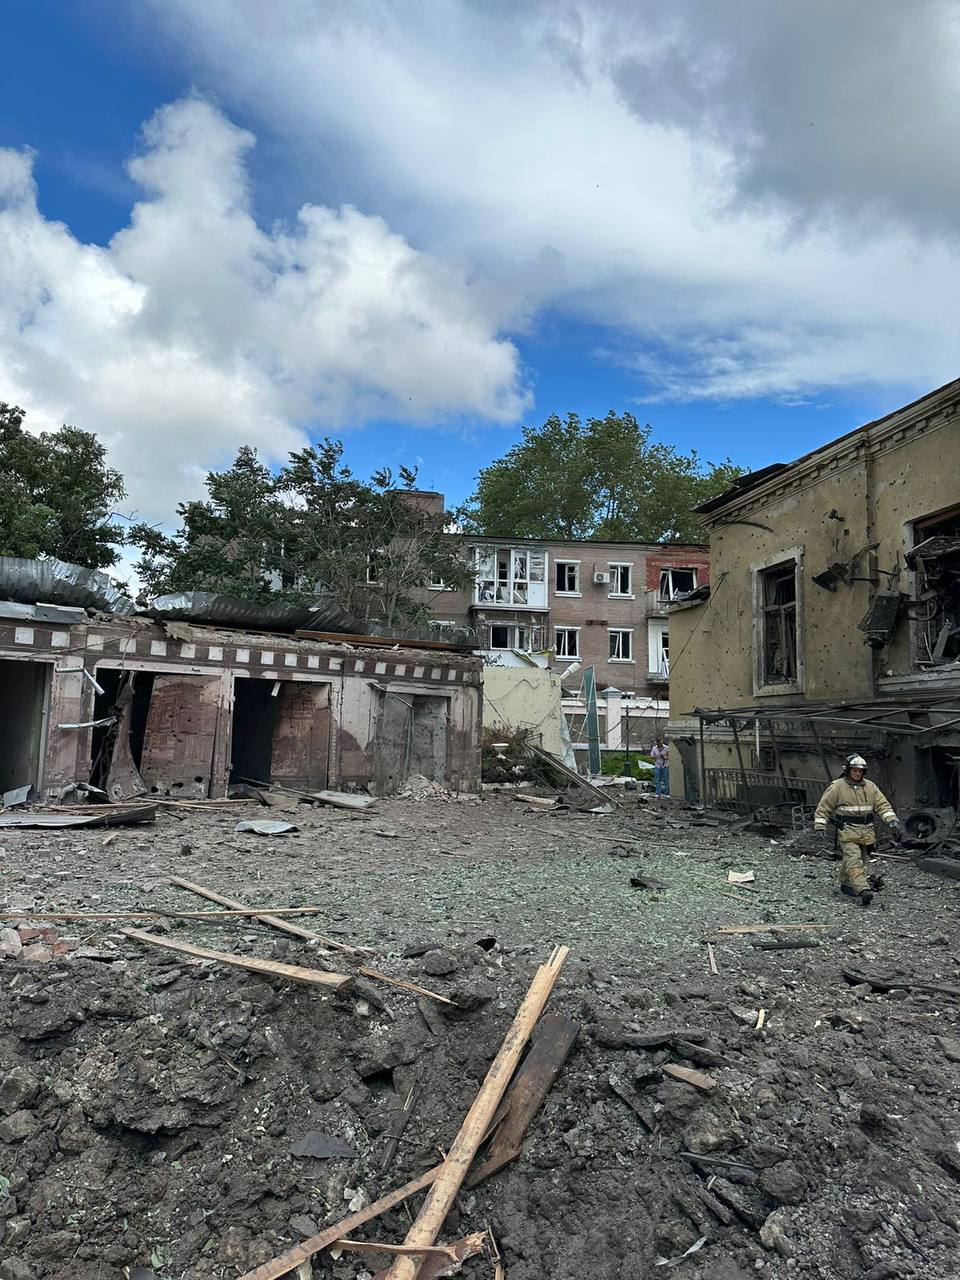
x=895 y=829
x=822 y=834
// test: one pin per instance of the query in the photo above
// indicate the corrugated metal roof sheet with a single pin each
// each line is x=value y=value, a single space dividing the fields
x=54 y=581
x=324 y=614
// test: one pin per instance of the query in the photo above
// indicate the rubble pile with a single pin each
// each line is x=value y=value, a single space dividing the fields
x=755 y=1108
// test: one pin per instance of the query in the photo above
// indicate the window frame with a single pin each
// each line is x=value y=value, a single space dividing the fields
x=758 y=572
x=668 y=572
x=657 y=628
x=621 y=631
x=570 y=631
x=575 y=565
x=510 y=590
x=613 y=566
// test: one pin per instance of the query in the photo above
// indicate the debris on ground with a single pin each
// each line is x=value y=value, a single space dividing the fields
x=775 y=1112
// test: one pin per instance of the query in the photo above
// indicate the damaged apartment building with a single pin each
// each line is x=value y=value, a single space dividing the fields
x=832 y=624
x=587 y=603
x=200 y=692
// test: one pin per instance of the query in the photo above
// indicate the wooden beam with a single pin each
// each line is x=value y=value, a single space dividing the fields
x=270 y=919
x=553 y=1039
x=403 y=984
x=443 y=1192
x=274 y=968
x=242 y=913
x=301 y=1253
x=380 y=642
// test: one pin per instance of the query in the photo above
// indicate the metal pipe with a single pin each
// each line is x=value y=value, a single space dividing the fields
x=823 y=755
x=776 y=752
x=703 y=768
x=743 y=773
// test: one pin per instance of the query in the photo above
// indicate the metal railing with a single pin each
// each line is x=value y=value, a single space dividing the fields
x=752 y=789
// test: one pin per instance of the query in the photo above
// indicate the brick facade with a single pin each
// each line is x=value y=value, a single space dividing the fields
x=571 y=600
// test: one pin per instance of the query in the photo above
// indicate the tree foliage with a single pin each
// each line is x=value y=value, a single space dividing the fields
x=604 y=478
x=313 y=524
x=58 y=494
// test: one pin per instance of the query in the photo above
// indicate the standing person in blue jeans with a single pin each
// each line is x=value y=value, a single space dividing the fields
x=660 y=754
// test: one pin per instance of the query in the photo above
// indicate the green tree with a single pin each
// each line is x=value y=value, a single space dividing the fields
x=58 y=494
x=232 y=543
x=604 y=478
x=260 y=536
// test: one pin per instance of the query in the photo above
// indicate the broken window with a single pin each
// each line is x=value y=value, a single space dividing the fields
x=568 y=577
x=778 y=633
x=677 y=582
x=510 y=636
x=510 y=576
x=935 y=559
x=658 y=649
x=373 y=567
x=567 y=643
x=621 y=579
x=621 y=645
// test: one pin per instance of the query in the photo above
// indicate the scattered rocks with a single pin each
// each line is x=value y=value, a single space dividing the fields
x=18 y=1127
x=784 y=1183
x=710 y=1130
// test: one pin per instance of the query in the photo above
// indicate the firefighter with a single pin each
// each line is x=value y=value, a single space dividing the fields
x=849 y=805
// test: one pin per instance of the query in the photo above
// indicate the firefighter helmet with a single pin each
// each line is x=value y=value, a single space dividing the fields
x=854 y=762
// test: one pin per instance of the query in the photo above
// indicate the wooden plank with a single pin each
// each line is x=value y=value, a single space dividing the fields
x=301 y=1253
x=712 y=959
x=380 y=642
x=402 y=1120
x=767 y=928
x=456 y=1253
x=443 y=1192
x=312 y=977
x=255 y=912
x=403 y=984
x=553 y=1039
x=285 y=926
x=687 y=1075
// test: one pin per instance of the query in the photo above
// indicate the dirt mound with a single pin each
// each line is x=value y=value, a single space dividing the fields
x=151 y=1111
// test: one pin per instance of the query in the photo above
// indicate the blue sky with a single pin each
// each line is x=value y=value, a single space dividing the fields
x=510 y=211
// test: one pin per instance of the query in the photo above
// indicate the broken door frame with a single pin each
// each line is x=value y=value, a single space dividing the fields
x=220 y=760
x=398 y=689
x=50 y=674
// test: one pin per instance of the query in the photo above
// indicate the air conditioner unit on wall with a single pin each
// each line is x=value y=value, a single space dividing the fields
x=601 y=579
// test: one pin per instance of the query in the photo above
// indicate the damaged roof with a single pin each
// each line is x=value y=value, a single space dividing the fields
x=754 y=478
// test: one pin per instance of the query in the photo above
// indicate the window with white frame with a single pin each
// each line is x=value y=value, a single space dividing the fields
x=515 y=576
x=621 y=645
x=567 y=578
x=621 y=579
x=511 y=636
x=677 y=582
x=373 y=567
x=658 y=648
x=567 y=642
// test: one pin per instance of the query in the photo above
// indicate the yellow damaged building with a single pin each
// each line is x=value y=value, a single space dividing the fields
x=831 y=624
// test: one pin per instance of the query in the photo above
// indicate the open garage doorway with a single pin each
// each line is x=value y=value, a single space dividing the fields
x=281 y=733
x=23 y=697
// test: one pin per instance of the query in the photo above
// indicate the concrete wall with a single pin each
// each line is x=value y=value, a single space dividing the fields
x=211 y=664
x=866 y=488
x=524 y=698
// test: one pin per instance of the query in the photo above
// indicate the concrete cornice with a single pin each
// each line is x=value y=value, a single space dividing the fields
x=931 y=413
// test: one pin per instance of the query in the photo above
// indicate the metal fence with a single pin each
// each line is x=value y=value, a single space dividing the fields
x=752 y=789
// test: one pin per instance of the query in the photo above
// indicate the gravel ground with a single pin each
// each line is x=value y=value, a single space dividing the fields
x=150 y=1105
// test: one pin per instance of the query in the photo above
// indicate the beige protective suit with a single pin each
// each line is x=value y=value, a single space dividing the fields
x=854 y=804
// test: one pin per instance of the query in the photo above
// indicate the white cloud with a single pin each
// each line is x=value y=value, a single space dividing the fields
x=760 y=203
x=195 y=330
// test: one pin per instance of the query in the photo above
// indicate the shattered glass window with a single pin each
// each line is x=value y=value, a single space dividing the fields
x=779 y=624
